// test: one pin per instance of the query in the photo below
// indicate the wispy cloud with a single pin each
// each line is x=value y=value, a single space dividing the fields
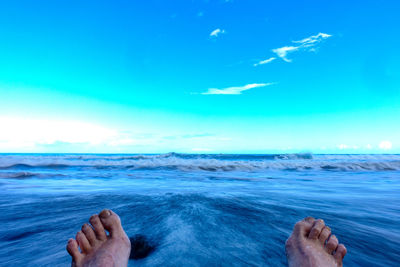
x=307 y=44
x=216 y=32
x=283 y=51
x=237 y=90
x=262 y=62
x=312 y=40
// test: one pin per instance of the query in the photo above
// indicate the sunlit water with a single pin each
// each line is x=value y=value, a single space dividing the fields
x=200 y=210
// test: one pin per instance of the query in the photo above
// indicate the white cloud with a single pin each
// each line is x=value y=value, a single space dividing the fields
x=283 y=51
x=313 y=39
x=386 y=145
x=19 y=134
x=308 y=44
x=262 y=62
x=234 y=90
x=343 y=146
x=216 y=32
x=125 y=142
x=30 y=132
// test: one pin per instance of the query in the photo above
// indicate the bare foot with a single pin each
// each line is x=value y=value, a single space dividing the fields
x=311 y=244
x=98 y=249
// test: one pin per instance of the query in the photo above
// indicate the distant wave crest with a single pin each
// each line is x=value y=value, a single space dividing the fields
x=205 y=162
x=17 y=175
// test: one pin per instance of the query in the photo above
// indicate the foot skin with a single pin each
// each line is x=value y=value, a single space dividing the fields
x=312 y=244
x=96 y=247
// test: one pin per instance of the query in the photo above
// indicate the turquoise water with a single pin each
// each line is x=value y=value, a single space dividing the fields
x=200 y=210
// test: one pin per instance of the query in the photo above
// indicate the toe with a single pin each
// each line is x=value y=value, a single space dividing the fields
x=89 y=233
x=316 y=229
x=340 y=253
x=111 y=223
x=72 y=248
x=324 y=235
x=309 y=220
x=302 y=228
x=83 y=242
x=332 y=244
x=98 y=227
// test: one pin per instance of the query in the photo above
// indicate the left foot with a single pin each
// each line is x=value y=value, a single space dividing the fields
x=98 y=249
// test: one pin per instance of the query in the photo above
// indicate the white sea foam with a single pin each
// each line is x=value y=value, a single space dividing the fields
x=203 y=162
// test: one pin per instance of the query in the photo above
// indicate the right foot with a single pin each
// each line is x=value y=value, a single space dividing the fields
x=312 y=245
x=98 y=249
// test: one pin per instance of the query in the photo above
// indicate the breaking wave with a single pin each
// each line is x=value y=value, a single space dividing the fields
x=203 y=162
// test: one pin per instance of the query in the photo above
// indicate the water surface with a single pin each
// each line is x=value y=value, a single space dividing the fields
x=199 y=210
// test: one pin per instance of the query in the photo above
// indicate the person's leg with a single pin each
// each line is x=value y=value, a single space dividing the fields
x=96 y=247
x=312 y=244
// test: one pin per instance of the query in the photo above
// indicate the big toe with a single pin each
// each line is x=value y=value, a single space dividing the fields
x=316 y=229
x=112 y=223
x=303 y=227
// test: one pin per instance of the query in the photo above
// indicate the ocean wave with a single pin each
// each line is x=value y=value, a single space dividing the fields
x=31 y=166
x=17 y=175
x=263 y=165
x=192 y=156
x=238 y=156
x=205 y=162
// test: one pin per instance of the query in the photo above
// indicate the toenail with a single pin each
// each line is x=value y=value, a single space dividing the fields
x=105 y=213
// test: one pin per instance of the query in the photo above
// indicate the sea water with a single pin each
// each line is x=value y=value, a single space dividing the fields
x=200 y=210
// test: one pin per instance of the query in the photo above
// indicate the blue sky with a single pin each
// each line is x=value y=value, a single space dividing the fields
x=200 y=76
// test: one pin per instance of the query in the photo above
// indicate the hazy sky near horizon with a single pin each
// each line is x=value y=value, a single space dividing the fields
x=239 y=76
